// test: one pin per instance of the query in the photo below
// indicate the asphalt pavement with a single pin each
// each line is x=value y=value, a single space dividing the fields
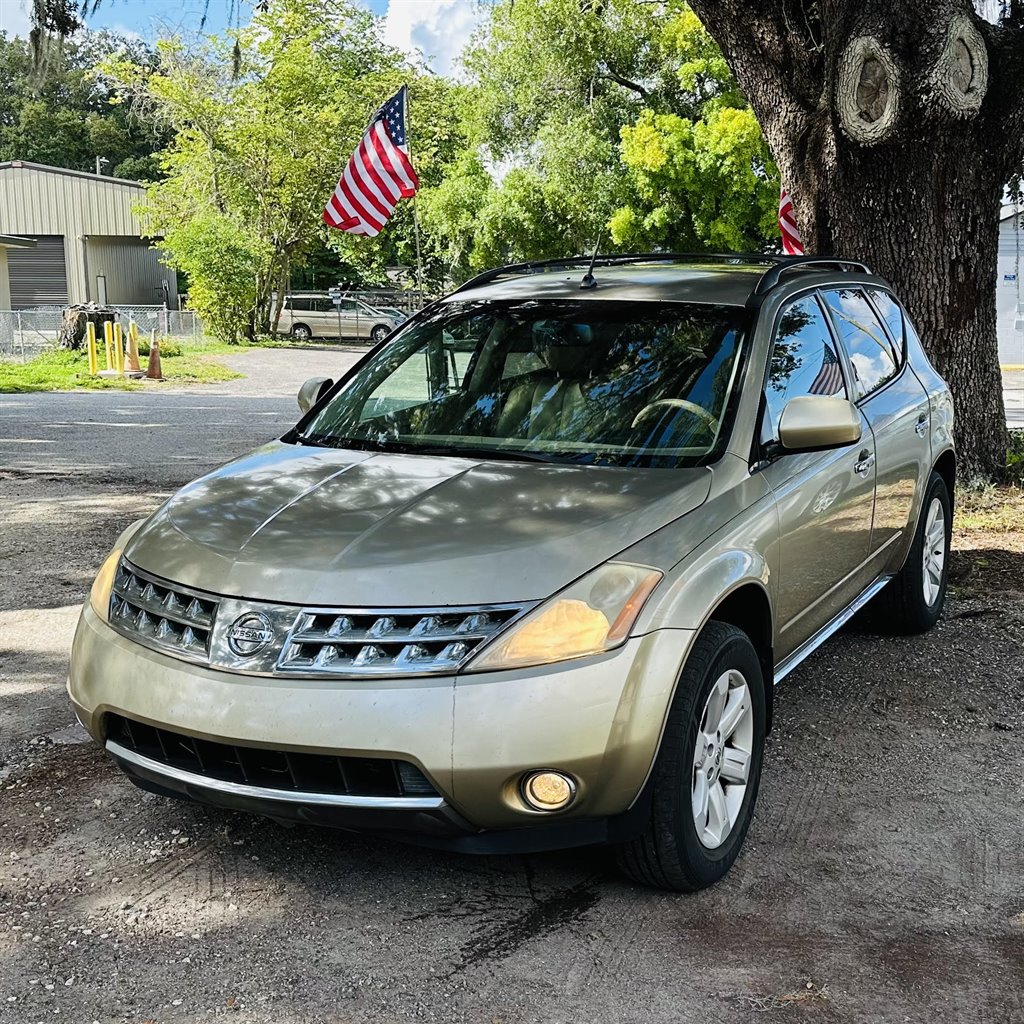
x=880 y=882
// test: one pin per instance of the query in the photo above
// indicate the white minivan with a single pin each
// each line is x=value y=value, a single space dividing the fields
x=314 y=315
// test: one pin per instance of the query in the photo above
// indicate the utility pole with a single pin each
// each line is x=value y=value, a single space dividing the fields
x=100 y=161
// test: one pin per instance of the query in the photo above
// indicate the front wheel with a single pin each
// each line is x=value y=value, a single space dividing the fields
x=912 y=601
x=708 y=770
x=379 y=333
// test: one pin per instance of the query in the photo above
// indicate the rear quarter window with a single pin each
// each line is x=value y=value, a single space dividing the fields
x=892 y=314
x=872 y=357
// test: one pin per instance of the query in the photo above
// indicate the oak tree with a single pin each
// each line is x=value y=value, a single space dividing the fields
x=896 y=125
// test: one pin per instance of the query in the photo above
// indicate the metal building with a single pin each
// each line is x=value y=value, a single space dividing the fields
x=1010 y=290
x=89 y=243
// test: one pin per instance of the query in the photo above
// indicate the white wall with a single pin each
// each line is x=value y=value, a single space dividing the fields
x=1010 y=292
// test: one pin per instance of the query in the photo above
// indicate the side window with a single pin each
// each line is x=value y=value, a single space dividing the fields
x=892 y=314
x=299 y=305
x=871 y=355
x=803 y=362
x=347 y=305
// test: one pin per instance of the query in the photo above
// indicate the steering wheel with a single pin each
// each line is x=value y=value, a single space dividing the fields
x=692 y=408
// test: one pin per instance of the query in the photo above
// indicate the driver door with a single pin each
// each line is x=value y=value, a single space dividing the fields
x=825 y=499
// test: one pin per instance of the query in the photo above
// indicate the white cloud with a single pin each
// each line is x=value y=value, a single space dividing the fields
x=437 y=29
x=14 y=18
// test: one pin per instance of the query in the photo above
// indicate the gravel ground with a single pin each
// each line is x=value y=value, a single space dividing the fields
x=880 y=881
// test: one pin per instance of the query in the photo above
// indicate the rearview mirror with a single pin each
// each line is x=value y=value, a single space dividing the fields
x=311 y=392
x=814 y=423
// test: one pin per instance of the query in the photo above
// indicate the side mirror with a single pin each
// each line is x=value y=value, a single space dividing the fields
x=814 y=423
x=311 y=392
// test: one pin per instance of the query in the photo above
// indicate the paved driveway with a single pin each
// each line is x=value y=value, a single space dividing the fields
x=881 y=881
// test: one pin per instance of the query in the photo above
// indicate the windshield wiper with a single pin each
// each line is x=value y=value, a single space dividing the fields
x=312 y=442
x=374 y=444
x=466 y=452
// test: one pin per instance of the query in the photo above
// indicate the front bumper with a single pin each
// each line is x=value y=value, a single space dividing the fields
x=473 y=736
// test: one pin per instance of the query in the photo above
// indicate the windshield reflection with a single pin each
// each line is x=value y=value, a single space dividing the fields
x=590 y=382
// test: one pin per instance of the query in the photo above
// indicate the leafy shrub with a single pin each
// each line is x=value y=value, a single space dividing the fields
x=167 y=347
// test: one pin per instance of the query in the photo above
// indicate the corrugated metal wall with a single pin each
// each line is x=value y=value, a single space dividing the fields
x=133 y=271
x=37 y=202
x=37 y=275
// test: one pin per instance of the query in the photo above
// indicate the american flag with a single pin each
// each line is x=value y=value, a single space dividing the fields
x=830 y=377
x=791 y=242
x=377 y=175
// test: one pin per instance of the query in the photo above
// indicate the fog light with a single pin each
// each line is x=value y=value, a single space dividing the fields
x=548 y=791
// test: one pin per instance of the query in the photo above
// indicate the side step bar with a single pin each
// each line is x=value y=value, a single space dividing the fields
x=808 y=647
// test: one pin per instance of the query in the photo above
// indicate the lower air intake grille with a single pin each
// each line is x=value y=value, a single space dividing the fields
x=271 y=769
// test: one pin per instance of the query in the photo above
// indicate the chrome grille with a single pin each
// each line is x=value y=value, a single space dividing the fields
x=394 y=643
x=162 y=615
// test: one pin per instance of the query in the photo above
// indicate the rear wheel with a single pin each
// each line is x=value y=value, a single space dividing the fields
x=300 y=332
x=708 y=770
x=912 y=602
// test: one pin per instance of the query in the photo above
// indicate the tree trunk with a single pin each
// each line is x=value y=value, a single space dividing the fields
x=895 y=125
x=926 y=219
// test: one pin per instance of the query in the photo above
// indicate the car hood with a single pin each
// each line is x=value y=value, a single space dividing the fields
x=322 y=526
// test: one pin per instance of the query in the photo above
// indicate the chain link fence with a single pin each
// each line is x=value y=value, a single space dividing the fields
x=27 y=333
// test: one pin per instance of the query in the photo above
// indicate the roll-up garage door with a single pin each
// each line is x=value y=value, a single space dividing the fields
x=38 y=275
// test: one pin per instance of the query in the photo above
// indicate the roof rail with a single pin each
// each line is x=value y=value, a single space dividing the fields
x=616 y=259
x=771 y=277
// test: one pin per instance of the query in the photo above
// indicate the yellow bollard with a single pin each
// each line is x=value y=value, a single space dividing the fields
x=119 y=348
x=108 y=342
x=133 y=347
x=90 y=335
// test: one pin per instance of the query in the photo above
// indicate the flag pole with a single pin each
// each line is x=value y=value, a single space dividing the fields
x=415 y=217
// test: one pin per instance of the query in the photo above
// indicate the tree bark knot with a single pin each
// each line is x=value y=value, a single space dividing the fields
x=960 y=77
x=868 y=91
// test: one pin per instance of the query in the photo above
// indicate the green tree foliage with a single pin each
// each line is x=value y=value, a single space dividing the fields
x=224 y=262
x=262 y=122
x=589 y=116
x=65 y=118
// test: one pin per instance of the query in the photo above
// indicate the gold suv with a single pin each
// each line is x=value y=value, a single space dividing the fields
x=526 y=575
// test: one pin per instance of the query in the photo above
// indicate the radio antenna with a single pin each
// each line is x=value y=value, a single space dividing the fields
x=589 y=281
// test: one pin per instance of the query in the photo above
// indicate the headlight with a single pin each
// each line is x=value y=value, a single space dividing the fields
x=99 y=596
x=595 y=614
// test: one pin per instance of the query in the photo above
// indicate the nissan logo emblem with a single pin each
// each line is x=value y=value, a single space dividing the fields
x=249 y=634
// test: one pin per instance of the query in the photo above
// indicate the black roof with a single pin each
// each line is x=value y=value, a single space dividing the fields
x=731 y=279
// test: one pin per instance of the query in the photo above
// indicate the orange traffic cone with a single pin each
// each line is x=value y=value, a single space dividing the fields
x=153 y=370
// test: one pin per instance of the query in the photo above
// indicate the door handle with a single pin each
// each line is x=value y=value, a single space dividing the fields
x=864 y=463
x=922 y=424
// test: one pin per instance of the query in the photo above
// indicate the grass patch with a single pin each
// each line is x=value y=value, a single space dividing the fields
x=62 y=370
x=990 y=509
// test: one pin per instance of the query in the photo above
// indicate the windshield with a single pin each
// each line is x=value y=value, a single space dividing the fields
x=593 y=382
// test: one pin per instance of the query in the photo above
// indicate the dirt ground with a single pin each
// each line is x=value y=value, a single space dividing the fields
x=881 y=880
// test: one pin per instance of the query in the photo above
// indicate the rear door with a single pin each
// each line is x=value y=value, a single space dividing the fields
x=350 y=319
x=896 y=406
x=325 y=317
x=825 y=499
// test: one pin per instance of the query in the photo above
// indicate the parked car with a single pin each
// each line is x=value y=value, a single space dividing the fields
x=314 y=315
x=394 y=312
x=526 y=575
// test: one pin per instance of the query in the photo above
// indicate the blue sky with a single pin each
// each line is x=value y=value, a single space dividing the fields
x=437 y=28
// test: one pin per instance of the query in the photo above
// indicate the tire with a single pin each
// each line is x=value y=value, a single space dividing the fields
x=300 y=332
x=907 y=605
x=379 y=333
x=670 y=854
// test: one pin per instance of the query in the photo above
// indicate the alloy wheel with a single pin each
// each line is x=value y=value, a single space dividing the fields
x=934 y=558
x=721 y=760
